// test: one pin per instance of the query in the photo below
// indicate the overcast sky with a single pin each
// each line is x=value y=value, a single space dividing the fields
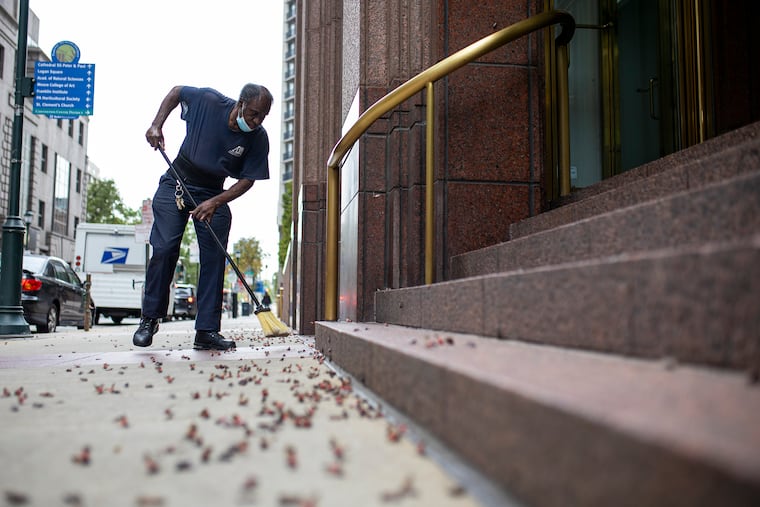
x=140 y=50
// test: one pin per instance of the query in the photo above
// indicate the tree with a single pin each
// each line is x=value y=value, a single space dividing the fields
x=191 y=268
x=104 y=205
x=286 y=224
x=247 y=255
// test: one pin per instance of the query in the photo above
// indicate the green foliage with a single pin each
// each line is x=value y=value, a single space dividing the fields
x=286 y=224
x=191 y=268
x=247 y=254
x=104 y=205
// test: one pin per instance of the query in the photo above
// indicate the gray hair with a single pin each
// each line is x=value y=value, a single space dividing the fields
x=253 y=91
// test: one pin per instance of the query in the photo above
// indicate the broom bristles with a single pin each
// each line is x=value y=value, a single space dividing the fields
x=271 y=324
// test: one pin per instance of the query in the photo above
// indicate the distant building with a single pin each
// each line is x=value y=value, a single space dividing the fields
x=289 y=52
x=288 y=91
x=288 y=99
x=54 y=152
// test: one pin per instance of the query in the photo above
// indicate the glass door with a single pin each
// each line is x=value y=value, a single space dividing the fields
x=621 y=104
x=585 y=86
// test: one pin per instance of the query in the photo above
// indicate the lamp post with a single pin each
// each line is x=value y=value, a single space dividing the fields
x=12 y=323
x=28 y=217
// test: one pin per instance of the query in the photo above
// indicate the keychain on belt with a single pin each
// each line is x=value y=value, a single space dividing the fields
x=178 y=193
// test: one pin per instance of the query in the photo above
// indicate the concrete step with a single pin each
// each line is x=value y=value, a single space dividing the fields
x=722 y=211
x=557 y=427
x=696 y=304
x=717 y=159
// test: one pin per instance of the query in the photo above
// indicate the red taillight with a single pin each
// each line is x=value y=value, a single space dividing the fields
x=190 y=299
x=30 y=284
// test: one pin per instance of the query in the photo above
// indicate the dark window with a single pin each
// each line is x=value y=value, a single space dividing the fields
x=61 y=195
x=75 y=280
x=78 y=185
x=44 y=159
x=71 y=128
x=2 y=62
x=60 y=124
x=183 y=292
x=60 y=272
x=41 y=215
x=81 y=134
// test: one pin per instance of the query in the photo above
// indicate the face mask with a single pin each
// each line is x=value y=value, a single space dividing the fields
x=242 y=125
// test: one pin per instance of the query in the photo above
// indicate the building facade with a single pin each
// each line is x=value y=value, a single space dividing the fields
x=288 y=92
x=647 y=78
x=54 y=153
x=288 y=145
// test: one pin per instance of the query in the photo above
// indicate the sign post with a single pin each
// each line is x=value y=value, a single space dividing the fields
x=12 y=323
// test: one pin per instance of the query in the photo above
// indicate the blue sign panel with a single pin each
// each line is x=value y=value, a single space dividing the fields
x=114 y=255
x=63 y=89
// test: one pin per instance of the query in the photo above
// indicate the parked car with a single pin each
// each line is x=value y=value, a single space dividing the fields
x=52 y=294
x=185 y=304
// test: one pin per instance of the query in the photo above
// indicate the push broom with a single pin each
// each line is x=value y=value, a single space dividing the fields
x=269 y=323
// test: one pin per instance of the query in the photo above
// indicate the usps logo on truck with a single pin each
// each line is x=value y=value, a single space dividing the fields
x=114 y=255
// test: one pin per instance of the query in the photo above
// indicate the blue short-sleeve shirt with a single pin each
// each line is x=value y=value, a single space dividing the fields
x=211 y=146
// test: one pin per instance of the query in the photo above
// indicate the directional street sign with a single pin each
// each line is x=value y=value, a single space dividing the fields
x=63 y=90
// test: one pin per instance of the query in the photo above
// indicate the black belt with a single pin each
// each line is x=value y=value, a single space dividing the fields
x=193 y=176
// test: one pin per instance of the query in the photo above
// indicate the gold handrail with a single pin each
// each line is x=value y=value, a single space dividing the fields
x=413 y=86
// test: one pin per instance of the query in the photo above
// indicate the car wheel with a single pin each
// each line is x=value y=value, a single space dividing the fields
x=51 y=321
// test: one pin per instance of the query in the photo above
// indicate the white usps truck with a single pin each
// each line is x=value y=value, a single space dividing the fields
x=116 y=259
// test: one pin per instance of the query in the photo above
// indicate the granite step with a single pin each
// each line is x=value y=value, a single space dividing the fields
x=723 y=157
x=558 y=427
x=722 y=211
x=699 y=151
x=693 y=304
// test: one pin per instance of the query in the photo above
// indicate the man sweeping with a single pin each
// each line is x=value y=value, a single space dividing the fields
x=224 y=137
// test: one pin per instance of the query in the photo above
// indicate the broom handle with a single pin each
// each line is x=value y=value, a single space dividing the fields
x=208 y=226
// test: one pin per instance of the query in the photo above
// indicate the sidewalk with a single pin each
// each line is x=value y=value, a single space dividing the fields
x=89 y=420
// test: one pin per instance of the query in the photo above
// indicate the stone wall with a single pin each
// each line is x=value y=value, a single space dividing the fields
x=489 y=141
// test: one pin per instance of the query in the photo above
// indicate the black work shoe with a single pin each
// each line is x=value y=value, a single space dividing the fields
x=212 y=340
x=145 y=331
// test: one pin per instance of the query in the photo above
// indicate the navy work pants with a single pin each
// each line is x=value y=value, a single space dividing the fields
x=165 y=238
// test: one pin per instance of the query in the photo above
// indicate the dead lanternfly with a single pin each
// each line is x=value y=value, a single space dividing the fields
x=395 y=433
x=83 y=458
x=250 y=483
x=291 y=457
x=337 y=449
x=151 y=466
x=335 y=469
